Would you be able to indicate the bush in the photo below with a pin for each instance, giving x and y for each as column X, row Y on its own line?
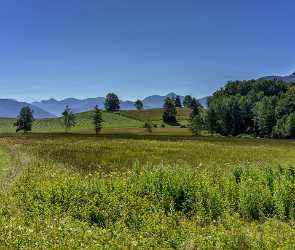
column 149, row 127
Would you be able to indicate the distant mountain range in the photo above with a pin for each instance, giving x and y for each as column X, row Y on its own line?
column 57, row 107
column 53, row 108
column 286, row 79
column 10, row 108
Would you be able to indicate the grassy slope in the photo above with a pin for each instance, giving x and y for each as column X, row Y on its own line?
column 119, row 122
column 84, row 123
column 155, row 114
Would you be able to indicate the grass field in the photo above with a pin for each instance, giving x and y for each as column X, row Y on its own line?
column 132, row 191
column 83, row 123
column 155, row 114
column 122, row 120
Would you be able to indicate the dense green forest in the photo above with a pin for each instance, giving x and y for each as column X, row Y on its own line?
column 257, row 107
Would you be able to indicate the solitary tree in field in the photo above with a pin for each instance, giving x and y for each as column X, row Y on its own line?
column 138, row 104
column 24, row 120
column 69, row 118
column 169, row 115
column 187, row 101
column 97, row 119
column 112, row 102
column 178, row 102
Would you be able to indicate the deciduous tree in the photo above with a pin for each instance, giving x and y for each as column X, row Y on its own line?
column 169, row 115
column 69, row 119
column 112, row 102
column 138, row 104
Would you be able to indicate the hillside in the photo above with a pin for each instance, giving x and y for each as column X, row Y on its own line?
column 122, row 119
column 83, row 123
column 154, row 114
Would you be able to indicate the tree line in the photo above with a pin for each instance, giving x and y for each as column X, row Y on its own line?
column 25, row 118
column 262, row 108
column 112, row 104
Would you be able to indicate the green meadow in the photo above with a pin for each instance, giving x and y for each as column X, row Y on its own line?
column 130, row 189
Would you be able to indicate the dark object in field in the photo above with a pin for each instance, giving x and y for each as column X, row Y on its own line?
column 24, row 120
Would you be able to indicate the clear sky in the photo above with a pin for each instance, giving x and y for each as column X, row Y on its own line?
column 86, row 48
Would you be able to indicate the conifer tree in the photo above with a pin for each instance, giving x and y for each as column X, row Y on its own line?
column 24, row 120
column 97, row 119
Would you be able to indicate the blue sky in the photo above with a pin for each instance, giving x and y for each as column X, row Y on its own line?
column 86, row 48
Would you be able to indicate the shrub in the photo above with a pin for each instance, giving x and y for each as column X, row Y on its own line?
column 148, row 126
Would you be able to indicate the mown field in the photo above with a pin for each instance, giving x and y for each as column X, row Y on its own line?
column 137, row 191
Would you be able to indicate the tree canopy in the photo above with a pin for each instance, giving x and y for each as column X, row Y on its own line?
column 258, row 107
column 138, row 104
column 112, row 102
column 187, row 101
column 69, row 118
column 24, row 120
column 169, row 114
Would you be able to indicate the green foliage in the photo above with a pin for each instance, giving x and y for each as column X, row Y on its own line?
column 264, row 115
column 97, row 119
column 187, row 101
column 196, row 121
column 24, row 120
column 148, row 126
column 69, row 118
column 196, row 124
column 105, row 192
column 178, row 102
column 169, row 114
column 291, row 125
column 250, row 107
column 286, row 103
column 112, row 102
column 138, row 104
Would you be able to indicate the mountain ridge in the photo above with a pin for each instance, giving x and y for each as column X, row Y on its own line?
column 287, row 79
column 81, row 105
column 10, row 108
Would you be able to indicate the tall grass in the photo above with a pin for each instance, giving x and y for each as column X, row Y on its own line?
column 114, row 193
column 150, row 208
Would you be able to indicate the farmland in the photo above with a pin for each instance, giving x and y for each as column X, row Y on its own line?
column 128, row 188
column 146, row 191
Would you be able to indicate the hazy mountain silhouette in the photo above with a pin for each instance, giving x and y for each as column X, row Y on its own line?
column 57, row 107
column 53, row 108
column 286, row 79
column 11, row 108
